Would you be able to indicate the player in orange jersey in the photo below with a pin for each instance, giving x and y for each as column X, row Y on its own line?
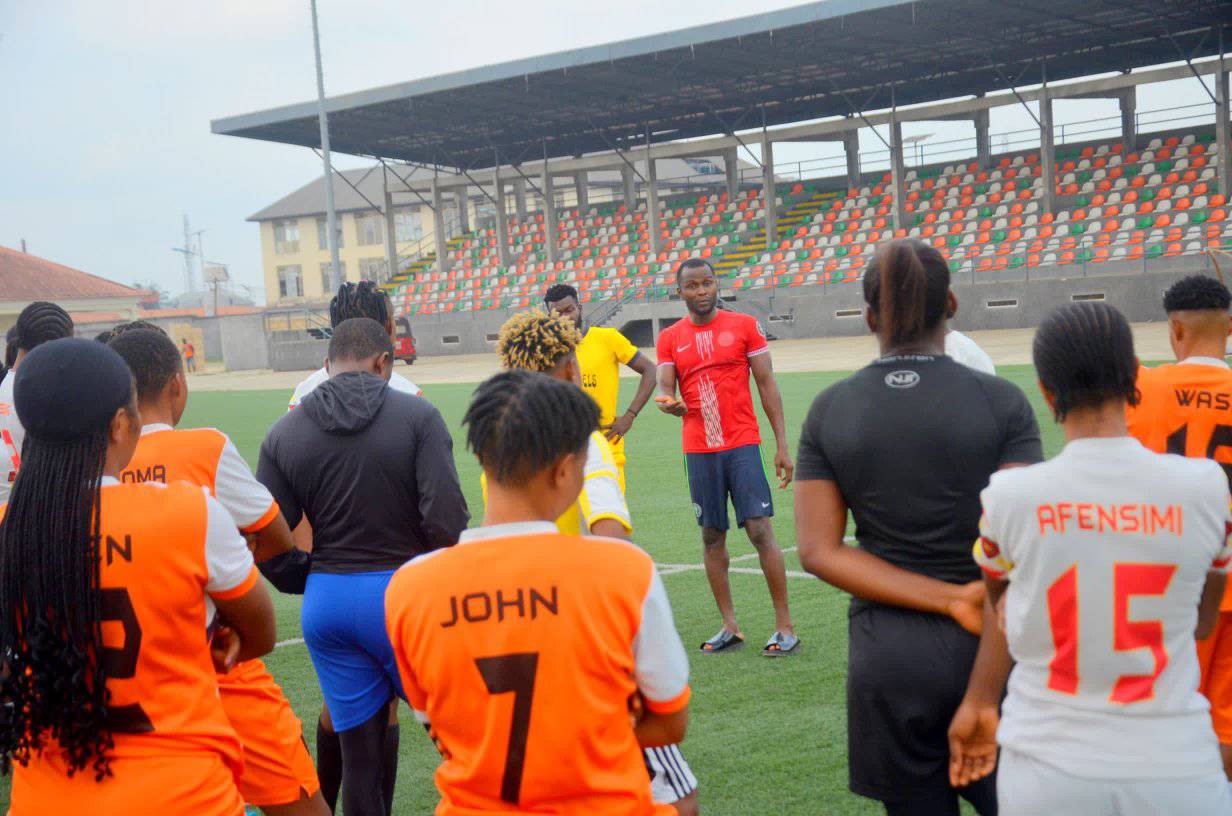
column 107, row 592
column 279, row 775
column 1186, row 408
column 541, row 661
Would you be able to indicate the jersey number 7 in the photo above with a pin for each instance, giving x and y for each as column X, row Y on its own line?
column 513, row 673
column 1127, row 580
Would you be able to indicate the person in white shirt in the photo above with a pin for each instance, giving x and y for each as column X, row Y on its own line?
column 1103, row 563
column 37, row 324
column 963, row 349
column 361, row 299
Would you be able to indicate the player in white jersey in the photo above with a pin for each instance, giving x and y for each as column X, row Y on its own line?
column 361, row 299
column 1103, row 563
column 963, row 349
column 37, row 324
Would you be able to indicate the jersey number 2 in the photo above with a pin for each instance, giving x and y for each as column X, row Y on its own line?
column 502, row 675
column 120, row 663
column 1127, row 580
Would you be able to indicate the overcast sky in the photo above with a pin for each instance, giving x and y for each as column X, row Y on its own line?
column 105, row 140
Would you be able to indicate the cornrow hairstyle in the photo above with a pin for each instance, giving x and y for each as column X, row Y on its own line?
column 1197, row 293
column 151, row 356
column 10, row 347
column 136, row 325
column 1084, row 356
column 41, row 322
column 534, row 341
column 520, row 422
column 51, row 605
column 906, row 284
column 363, row 299
column 558, row 292
column 692, row 263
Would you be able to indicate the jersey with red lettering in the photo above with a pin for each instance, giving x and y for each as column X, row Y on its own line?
column 1106, row 549
column 11, row 436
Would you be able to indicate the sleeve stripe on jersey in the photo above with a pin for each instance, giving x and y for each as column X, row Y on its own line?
column 624, row 520
column 1222, row 563
column 667, row 363
column 241, row 589
column 607, row 472
column 671, row 706
column 996, row 575
column 763, row 350
column 263, row 522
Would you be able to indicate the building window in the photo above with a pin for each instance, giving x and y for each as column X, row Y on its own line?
column 290, row 281
column 368, row 225
column 408, row 226
column 286, row 237
column 322, row 240
column 372, row 269
column 327, row 288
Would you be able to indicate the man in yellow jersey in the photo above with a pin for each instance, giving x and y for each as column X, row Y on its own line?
column 600, row 355
column 533, row 341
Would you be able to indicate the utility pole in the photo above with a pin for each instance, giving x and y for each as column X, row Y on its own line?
column 331, row 216
column 188, row 252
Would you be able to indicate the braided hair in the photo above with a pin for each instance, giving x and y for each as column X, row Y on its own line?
column 534, row 341
column 905, row 285
column 1084, row 356
column 520, row 422
column 361, row 299
column 40, row 322
column 135, row 325
column 55, row 663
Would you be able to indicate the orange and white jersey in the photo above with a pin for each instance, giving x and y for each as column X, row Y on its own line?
column 11, row 436
column 523, row 647
column 205, row 457
column 396, row 381
column 164, row 552
column 1106, row 549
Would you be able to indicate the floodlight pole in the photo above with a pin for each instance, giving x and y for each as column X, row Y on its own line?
column 331, row 215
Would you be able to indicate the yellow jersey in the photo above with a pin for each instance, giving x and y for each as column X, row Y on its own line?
column 600, row 355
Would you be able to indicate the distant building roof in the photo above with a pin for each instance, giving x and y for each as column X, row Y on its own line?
column 25, row 277
column 310, row 199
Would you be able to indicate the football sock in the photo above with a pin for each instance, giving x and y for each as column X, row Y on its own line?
column 329, row 765
column 389, row 772
column 363, row 762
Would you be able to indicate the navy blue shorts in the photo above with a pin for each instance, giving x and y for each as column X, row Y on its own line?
column 737, row 473
column 344, row 627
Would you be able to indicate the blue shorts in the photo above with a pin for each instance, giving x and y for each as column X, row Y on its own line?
column 344, row 626
column 737, row 473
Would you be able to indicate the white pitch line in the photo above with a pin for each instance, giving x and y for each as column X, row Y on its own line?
column 288, row 642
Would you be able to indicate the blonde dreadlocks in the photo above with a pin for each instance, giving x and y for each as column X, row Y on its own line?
column 535, row 341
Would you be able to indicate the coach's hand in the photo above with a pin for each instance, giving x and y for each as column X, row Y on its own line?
column 973, row 743
column 620, row 427
column 967, row 606
column 670, row 405
column 783, row 467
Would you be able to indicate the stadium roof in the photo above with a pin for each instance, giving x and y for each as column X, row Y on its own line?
column 829, row 58
column 25, row 277
column 360, row 189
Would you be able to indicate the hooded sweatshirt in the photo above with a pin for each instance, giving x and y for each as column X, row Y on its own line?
column 372, row 470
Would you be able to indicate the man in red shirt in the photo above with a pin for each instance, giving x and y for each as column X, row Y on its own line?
column 710, row 354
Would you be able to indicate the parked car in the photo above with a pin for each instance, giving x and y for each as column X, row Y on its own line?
column 404, row 341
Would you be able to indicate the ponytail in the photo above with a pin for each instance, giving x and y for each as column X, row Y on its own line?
column 905, row 285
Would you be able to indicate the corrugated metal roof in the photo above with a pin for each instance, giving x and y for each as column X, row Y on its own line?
column 25, row 277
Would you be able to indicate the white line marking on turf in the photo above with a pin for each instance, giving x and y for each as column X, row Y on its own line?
column 288, row 642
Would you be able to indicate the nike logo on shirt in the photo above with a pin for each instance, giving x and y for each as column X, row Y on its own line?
column 685, row 347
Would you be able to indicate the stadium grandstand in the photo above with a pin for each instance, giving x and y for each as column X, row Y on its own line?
column 1147, row 194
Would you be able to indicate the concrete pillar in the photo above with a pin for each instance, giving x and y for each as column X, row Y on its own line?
column 464, row 210
column 519, row 197
column 627, row 182
column 1129, row 119
column 1048, row 152
column 983, row 139
column 767, row 189
column 898, row 173
column 583, row 190
column 652, row 203
column 731, row 163
column 549, row 215
column 502, row 220
column 851, row 146
column 391, row 238
column 438, row 226
column 1222, row 146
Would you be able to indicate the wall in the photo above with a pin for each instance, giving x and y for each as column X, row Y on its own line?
column 295, row 351
column 243, row 341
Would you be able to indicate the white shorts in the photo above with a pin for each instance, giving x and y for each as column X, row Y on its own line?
column 671, row 778
column 1028, row 787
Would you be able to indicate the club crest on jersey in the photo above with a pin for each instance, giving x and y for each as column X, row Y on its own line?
column 991, row 550
column 902, row 379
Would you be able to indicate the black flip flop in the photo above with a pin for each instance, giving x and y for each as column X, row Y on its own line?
column 722, row 642
column 781, row 645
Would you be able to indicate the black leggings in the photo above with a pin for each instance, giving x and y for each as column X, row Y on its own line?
column 363, row 764
column 982, row 795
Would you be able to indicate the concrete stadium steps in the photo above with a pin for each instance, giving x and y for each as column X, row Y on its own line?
column 424, row 263
column 799, row 212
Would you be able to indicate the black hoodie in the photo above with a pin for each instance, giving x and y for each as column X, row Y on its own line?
column 373, row 471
